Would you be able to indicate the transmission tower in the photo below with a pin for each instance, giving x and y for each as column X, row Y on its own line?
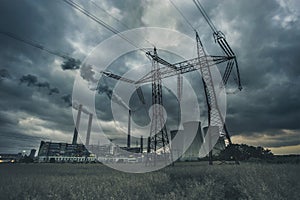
column 158, row 139
column 158, row 142
column 215, row 118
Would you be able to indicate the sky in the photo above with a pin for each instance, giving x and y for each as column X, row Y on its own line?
column 36, row 91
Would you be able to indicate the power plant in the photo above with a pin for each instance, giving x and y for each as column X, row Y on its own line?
column 160, row 141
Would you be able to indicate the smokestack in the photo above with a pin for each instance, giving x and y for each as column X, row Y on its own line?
column 88, row 134
column 141, row 144
column 77, row 125
column 129, row 126
column 148, row 147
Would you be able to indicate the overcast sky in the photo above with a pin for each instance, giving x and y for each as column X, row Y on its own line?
column 35, row 90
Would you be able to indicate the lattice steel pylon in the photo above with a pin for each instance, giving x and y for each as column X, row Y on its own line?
column 158, row 141
column 215, row 117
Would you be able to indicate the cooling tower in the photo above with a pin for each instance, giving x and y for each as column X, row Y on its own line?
column 192, row 152
column 212, row 140
column 177, row 143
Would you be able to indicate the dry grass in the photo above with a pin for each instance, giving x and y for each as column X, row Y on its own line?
column 183, row 181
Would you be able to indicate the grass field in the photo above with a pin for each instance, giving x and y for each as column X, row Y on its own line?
column 183, row 181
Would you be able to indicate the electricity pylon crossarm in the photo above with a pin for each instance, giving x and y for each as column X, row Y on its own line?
column 182, row 67
column 221, row 40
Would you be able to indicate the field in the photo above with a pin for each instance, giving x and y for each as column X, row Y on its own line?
column 183, row 181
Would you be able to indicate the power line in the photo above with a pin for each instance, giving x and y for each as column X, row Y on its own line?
column 99, row 7
column 35, row 44
column 182, row 15
column 102, row 23
column 120, row 22
column 205, row 15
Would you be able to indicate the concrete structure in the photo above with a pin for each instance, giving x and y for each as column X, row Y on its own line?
column 129, row 127
column 141, row 144
column 66, row 159
column 53, row 151
column 214, row 136
column 177, row 143
column 192, row 152
column 88, row 133
column 10, row 158
column 101, row 150
column 199, row 146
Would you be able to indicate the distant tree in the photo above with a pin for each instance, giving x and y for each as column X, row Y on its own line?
column 26, row 159
column 244, row 152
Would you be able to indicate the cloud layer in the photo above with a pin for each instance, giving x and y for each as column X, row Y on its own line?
column 264, row 35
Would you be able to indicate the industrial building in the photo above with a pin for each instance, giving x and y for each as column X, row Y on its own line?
column 63, row 152
column 192, row 150
column 19, row 157
column 10, row 158
column 185, row 148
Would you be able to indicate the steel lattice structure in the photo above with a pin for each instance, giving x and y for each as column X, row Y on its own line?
column 159, row 139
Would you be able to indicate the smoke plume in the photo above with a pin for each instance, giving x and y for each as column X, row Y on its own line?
column 111, row 95
column 71, row 64
column 88, row 74
column 67, row 99
column 4, row 74
column 43, row 85
column 32, row 81
column 53, row 90
column 75, row 105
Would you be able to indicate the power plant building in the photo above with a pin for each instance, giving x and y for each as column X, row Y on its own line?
column 192, row 152
column 62, row 152
column 192, row 149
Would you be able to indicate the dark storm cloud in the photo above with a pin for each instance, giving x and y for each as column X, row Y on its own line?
column 32, row 80
column 4, row 74
column 46, row 23
column 29, row 79
column 43, row 85
column 71, row 64
column 263, row 34
column 268, row 59
column 53, row 91
column 67, row 98
column 269, row 62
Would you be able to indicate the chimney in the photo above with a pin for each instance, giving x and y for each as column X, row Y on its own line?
column 141, row 144
column 88, row 134
column 77, row 125
column 148, row 147
column 129, row 126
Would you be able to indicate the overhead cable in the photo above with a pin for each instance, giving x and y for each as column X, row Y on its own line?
column 182, row 15
column 102, row 23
